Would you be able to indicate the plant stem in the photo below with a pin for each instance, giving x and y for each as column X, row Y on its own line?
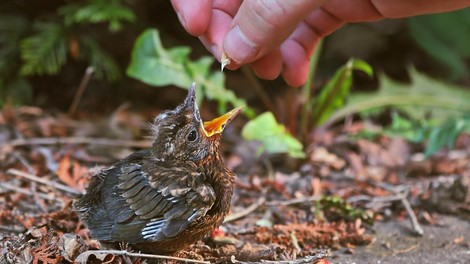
column 259, row 89
column 81, row 89
column 307, row 89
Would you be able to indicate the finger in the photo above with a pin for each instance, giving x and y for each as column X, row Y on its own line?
column 214, row 35
column 299, row 47
column 261, row 25
column 398, row 9
column 296, row 63
column 193, row 15
column 353, row 11
column 222, row 15
column 269, row 66
column 217, row 53
column 320, row 24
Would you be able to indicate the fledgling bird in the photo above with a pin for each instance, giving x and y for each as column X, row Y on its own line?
column 162, row 199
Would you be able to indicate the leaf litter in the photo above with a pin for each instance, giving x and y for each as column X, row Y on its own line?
column 329, row 202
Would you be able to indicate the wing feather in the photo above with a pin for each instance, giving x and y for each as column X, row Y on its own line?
column 159, row 202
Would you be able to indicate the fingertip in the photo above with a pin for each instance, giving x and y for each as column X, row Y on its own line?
column 216, row 51
column 194, row 16
column 268, row 67
column 296, row 64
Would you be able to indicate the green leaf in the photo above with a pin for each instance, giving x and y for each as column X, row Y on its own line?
column 45, row 52
column 407, row 128
column 273, row 136
column 446, row 135
column 446, row 37
column 12, row 29
column 334, row 94
column 18, row 90
column 424, row 96
column 155, row 65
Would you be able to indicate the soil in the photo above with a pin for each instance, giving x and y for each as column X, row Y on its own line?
column 395, row 244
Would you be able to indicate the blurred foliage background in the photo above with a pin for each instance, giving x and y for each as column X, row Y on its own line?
column 420, row 78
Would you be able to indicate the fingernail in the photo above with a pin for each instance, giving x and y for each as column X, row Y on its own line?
column 181, row 19
column 238, row 47
column 215, row 51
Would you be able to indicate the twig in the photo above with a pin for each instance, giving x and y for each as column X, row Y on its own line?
column 23, row 161
column 12, row 229
column 247, row 211
column 81, row 89
column 414, row 220
column 307, row 259
column 401, row 190
column 44, row 181
column 77, row 140
column 294, row 201
column 382, row 200
column 295, row 242
column 406, row 250
column 137, row 255
column 17, row 189
column 33, row 191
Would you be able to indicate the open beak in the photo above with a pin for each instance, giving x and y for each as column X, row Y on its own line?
column 217, row 125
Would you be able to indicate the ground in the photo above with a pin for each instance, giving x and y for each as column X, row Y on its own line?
column 350, row 201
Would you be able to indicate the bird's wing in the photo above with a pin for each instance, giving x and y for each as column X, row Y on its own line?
column 158, row 202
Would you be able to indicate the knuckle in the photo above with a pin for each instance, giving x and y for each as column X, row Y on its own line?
column 268, row 12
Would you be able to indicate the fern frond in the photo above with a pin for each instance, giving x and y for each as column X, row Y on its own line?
column 98, row 11
column 46, row 51
column 12, row 28
column 105, row 66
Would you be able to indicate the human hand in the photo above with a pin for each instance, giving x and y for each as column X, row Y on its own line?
column 279, row 37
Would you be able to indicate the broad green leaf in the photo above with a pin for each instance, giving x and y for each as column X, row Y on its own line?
column 155, row 65
column 421, row 97
column 273, row 136
column 152, row 64
column 446, row 37
column 334, row 94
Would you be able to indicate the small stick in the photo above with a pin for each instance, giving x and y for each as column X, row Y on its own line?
column 79, row 140
column 406, row 250
column 306, row 259
column 414, row 220
column 44, row 181
column 81, row 89
column 247, row 211
column 12, row 229
column 294, row 201
column 397, row 190
column 137, row 255
column 17, row 189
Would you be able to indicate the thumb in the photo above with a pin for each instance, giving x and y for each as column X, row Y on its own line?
column 261, row 25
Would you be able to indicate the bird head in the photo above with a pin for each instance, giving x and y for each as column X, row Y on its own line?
column 182, row 135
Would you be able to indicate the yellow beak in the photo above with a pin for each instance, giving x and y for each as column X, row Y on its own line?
column 217, row 125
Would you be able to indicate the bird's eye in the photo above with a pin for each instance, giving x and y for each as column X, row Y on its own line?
column 192, row 136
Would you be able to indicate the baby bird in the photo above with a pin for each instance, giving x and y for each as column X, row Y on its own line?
column 162, row 199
